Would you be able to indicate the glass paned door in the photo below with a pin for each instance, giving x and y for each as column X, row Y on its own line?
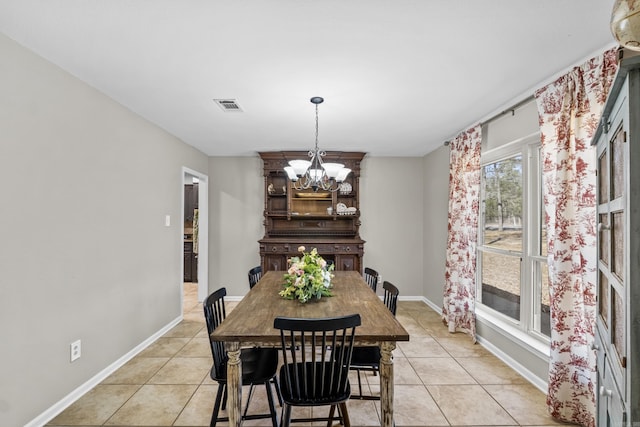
column 612, row 261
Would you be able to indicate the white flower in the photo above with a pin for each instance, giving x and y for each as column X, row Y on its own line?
column 326, row 276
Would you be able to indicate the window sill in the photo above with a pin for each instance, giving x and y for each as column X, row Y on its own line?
column 532, row 344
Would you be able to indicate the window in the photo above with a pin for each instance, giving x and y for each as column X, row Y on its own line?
column 512, row 267
column 502, row 235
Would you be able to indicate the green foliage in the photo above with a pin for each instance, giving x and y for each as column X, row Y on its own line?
column 308, row 277
column 503, row 190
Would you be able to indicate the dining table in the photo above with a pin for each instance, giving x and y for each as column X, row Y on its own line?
column 250, row 323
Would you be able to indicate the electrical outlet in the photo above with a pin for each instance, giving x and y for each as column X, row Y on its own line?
column 76, row 350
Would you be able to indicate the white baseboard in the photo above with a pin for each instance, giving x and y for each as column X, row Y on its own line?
column 434, row 307
column 515, row 365
column 76, row 394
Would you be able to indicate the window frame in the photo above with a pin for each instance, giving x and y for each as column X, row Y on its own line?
column 531, row 258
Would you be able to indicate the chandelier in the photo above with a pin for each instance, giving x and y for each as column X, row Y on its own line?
column 314, row 173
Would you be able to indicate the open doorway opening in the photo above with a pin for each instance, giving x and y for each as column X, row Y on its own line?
column 195, row 234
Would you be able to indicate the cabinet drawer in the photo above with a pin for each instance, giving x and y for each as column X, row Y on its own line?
column 313, row 226
column 333, row 248
column 347, row 249
column 275, row 248
column 610, row 397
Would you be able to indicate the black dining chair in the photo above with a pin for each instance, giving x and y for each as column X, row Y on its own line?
column 372, row 277
column 259, row 365
column 390, row 297
column 254, row 275
column 367, row 358
column 315, row 371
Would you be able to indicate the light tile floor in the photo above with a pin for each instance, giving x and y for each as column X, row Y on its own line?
column 441, row 379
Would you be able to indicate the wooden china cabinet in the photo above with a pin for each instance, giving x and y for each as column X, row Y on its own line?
column 328, row 221
column 617, row 342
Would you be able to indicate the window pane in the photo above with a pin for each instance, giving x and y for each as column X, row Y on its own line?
column 603, row 175
column 502, row 184
column 603, row 298
column 542, row 222
column 617, row 164
column 501, row 283
column 604, row 239
column 617, row 245
column 544, row 326
column 617, row 324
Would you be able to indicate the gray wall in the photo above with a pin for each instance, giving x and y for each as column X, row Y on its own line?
column 391, row 220
column 84, row 253
column 436, row 207
column 235, row 221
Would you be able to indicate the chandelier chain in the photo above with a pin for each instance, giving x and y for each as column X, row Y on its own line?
column 317, row 151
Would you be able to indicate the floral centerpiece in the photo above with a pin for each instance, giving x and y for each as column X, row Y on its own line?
column 308, row 276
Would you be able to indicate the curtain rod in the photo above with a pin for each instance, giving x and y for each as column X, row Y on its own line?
column 511, row 110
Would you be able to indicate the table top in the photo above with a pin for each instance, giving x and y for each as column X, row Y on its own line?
column 251, row 321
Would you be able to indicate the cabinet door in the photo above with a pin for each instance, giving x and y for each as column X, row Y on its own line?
column 619, row 250
column 612, row 171
column 601, row 403
column 611, row 410
column 347, row 262
column 190, row 201
column 274, row 262
column 194, row 267
column 187, row 266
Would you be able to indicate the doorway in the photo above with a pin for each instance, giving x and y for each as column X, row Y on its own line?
column 195, row 232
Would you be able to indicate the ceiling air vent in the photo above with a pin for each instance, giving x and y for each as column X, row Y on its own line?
column 228, row 105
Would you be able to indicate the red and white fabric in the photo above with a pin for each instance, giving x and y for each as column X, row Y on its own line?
column 458, row 310
column 569, row 110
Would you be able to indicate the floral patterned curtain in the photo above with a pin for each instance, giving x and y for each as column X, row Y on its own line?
column 458, row 310
column 569, row 110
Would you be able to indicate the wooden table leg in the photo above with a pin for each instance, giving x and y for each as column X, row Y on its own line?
column 234, row 384
column 386, row 383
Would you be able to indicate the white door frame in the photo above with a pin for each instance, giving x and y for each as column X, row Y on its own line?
column 203, row 232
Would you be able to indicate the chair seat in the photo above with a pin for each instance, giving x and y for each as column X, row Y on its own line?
column 365, row 356
column 322, row 386
column 258, row 366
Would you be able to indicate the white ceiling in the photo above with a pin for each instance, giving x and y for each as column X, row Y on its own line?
column 399, row 77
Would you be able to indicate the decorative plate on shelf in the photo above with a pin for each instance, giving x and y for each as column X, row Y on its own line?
column 349, row 211
column 345, row 188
